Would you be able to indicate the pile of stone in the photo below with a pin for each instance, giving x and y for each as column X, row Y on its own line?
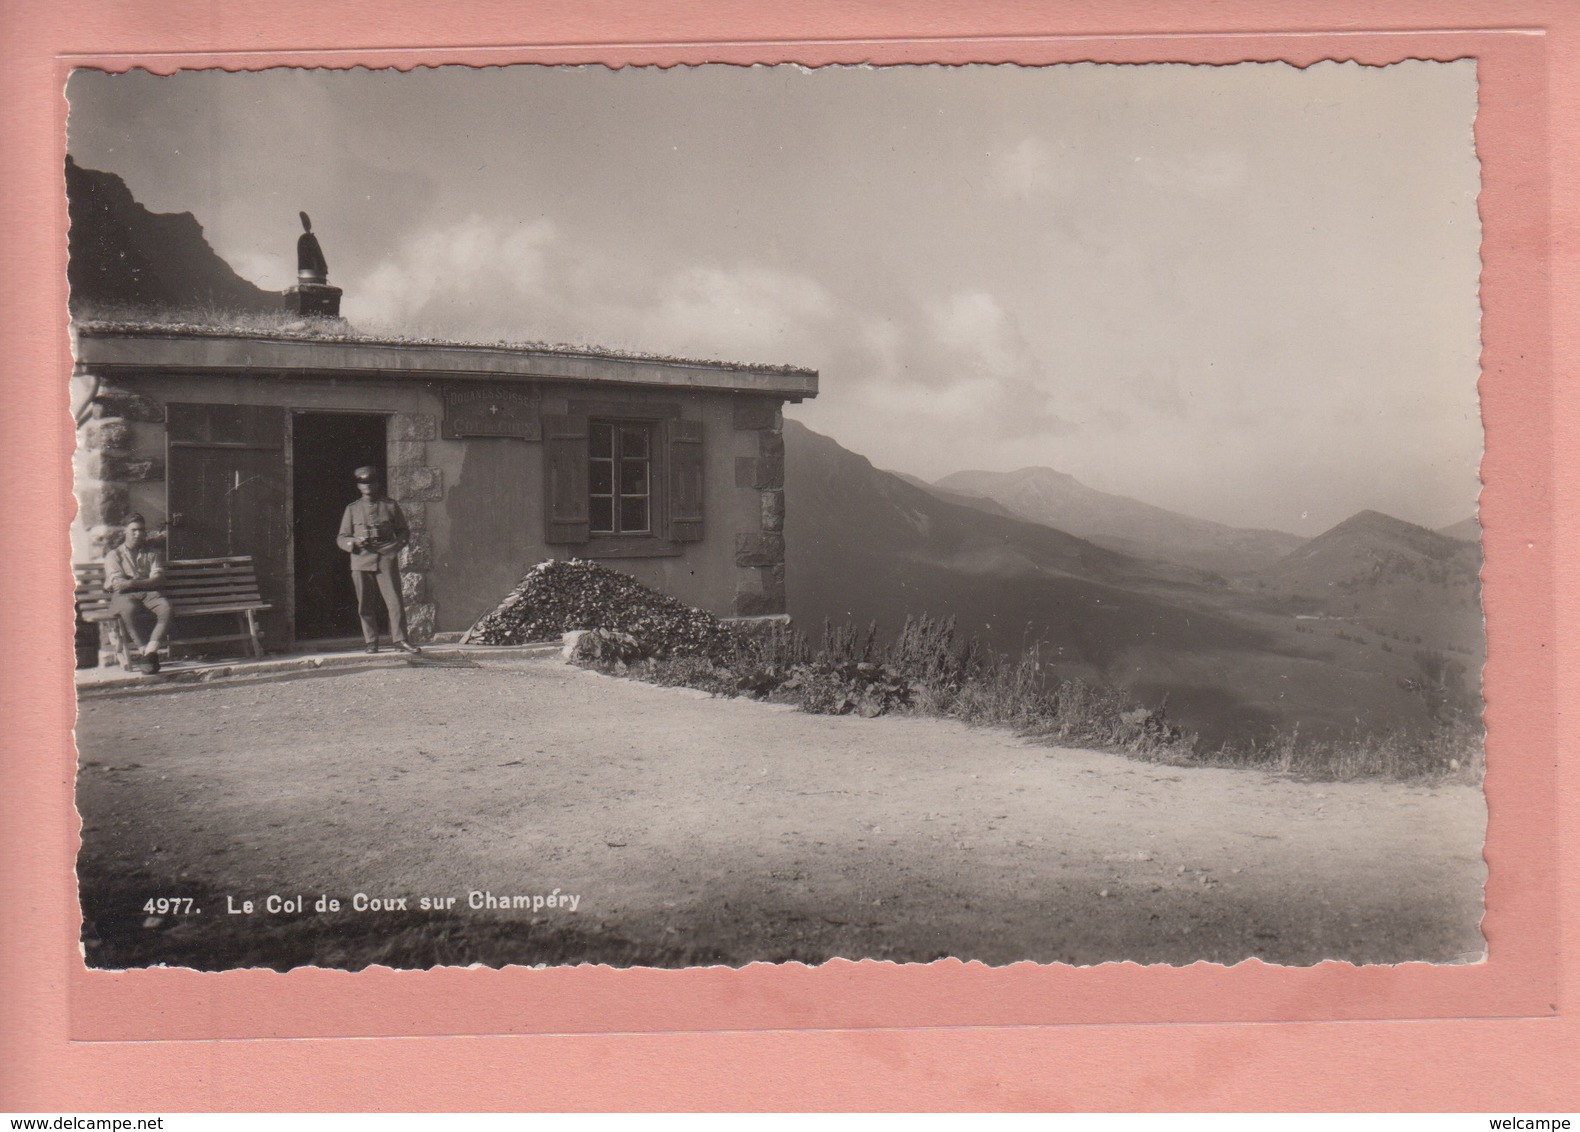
column 558, row 597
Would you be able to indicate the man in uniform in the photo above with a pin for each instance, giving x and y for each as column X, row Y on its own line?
column 133, row 573
column 373, row 531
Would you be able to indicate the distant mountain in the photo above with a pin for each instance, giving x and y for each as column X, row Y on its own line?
column 864, row 545
column 1126, row 525
column 1466, row 530
column 980, row 503
column 122, row 255
column 1371, row 549
column 849, row 507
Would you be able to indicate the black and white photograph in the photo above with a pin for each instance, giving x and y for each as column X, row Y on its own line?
column 673, row 517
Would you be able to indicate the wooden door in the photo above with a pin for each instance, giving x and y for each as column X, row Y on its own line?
column 227, row 494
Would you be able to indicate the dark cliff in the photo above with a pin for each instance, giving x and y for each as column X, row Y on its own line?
column 122, row 255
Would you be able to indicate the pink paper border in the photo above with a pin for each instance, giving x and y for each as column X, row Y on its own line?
column 956, row 1035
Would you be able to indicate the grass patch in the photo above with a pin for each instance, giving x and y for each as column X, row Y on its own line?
column 1452, row 751
column 216, row 321
column 927, row 671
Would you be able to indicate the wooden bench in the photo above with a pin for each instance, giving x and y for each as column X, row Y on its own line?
column 195, row 587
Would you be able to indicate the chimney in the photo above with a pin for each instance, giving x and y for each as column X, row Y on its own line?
column 312, row 294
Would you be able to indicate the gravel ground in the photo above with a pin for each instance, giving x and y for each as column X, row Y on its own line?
column 695, row 830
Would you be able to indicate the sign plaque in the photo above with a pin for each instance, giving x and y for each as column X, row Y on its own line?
column 492, row 411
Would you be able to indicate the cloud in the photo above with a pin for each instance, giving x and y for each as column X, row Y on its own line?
column 941, row 368
column 932, row 368
column 882, row 344
column 463, row 270
column 495, row 278
column 752, row 310
column 1028, row 169
column 974, row 326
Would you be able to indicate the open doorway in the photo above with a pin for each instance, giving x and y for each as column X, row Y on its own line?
column 325, row 449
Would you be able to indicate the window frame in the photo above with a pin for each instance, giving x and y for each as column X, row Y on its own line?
column 675, row 445
column 618, row 428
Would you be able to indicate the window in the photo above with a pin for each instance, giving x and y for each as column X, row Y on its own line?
column 620, row 478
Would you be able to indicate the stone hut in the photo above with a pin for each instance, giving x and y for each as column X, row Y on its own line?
column 236, row 441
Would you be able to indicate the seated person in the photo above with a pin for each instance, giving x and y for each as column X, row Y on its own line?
column 133, row 574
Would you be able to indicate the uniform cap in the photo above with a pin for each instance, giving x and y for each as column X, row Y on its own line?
column 366, row 474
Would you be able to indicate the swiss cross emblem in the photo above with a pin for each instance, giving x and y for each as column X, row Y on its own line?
column 492, row 412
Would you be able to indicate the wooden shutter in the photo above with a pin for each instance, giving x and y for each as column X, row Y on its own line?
column 565, row 479
column 685, row 481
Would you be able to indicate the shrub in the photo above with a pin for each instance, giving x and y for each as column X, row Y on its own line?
column 691, row 672
column 868, row 689
column 1451, row 752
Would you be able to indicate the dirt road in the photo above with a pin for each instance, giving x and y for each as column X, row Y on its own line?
column 690, row 829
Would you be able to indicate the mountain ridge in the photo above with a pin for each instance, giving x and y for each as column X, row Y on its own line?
column 1375, row 549
column 1058, row 499
column 917, row 522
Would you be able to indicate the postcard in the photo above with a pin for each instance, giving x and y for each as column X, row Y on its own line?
column 892, row 539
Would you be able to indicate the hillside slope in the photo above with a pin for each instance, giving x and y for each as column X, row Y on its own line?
column 1123, row 524
column 863, row 545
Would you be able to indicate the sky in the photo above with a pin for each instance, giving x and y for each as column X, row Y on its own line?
column 1245, row 293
